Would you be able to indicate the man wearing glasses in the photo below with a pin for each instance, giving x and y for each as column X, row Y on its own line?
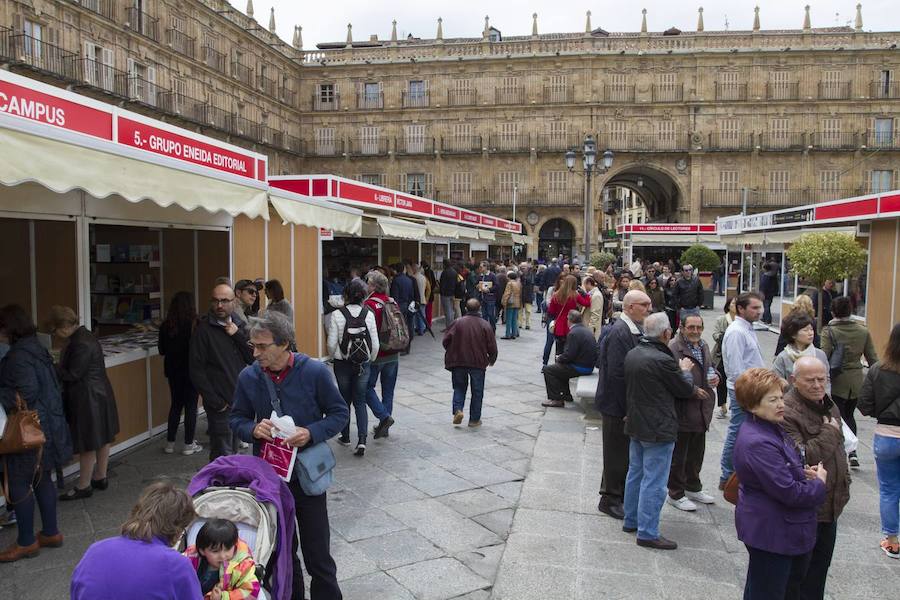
column 245, row 297
column 220, row 349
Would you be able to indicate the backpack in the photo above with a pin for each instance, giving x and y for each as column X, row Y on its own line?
column 356, row 343
column 393, row 334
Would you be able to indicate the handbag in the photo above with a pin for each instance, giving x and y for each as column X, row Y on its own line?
column 731, row 489
column 851, row 442
column 836, row 360
column 22, row 432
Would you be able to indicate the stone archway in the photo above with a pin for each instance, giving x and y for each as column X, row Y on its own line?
column 556, row 236
column 659, row 188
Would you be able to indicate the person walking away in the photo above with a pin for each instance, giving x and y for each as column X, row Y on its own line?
column 597, row 310
column 512, row 302
column 719, row 329
column 568, row 297
column 827, row 294
column 615, row 342
column 856, row 341
column 403, row 291
column 798, row 329
column 386, row 366
column 694, row 416
column 470, row 348
column 219, row 351
column 89, row 400
column 653, row 381
column 415, row 271
column 304, row 390
column 26, row 373
column 718, row 276
column 768, row 287
column 276, row 299
column 813, row 420
column 775, row 515
column 880, row 398
column 502, row 280
column 353, row 345
column 688, row 293
column 526, row 279
column 174, row 346
column 541, row 285
column 448, row 283
column 740, row 352
column 578, row 358
column 486, row 287
column 431, row 287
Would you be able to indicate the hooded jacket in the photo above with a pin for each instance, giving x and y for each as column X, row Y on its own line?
column 237, row 577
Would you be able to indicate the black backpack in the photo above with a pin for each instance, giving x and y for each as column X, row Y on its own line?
column 356, row 343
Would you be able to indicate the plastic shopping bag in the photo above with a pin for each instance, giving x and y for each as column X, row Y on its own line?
column 851, row 442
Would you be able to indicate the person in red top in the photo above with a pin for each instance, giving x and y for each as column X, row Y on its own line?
column 568, row 297
column 388, row 362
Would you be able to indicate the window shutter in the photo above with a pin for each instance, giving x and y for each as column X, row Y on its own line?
column 108, row 58
column 429, row 185
column 402, row 185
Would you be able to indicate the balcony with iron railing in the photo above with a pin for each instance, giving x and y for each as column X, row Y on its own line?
column 414, row 99
column 422, row 190
column 767, row 199
column 462, row 97
column 368, row 147
column 326, row 103
column 730, row 142
column 141, row 22
column 247, row 128
column 461, row 144
column 214, row 116
column 828, row 140
column 286, row 141
column 103, row 77
column 781, row 141
column 884, row 140
column 180, row 42
column 39, row 55
column 327, row 147
column 783, row 91
column 104, row 8
column 214, row 59
column 736, row 92
column 645, row 142
column 519, row 142
column 143, row 91
column 242, row 72
column 370, row 100
column 267, row 86
column 834, row 90
column 668, row 93
column 618, row 93
column 509, row 95
column 287, row 96
column 182, row 105
column 559, row 94
column 555, row 142
column 414, row 145
column 524, row 196
column 884, row 89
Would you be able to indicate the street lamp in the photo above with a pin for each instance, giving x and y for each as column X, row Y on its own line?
column 591, row 168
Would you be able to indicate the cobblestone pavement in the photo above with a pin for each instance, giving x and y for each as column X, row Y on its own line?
column 506, row 511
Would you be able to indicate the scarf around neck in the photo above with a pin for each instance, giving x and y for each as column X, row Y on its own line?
column 794, row 354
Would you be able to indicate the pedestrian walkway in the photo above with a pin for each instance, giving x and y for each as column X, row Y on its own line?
column 506, row 511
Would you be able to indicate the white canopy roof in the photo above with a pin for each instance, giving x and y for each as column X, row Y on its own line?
column 399, row 228
column 442, row 230
column 312, row 212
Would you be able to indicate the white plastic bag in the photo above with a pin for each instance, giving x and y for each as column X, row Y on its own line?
column 851, row 442
column 2, row 420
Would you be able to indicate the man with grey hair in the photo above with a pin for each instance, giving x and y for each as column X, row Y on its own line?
column 218, row 353
column 653, row 381
column 578, row 358
column 295, row 385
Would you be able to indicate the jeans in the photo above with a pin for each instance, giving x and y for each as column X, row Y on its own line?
column 420, row 320
column 645, row 486
column 388, row 370
column 813, row 587
column 539, row 301
column 315, row 546
column 222, row 440
column 26, row 494
column 887, row 464
column 737, row 417
column 773, row 576
column 512, row 322
column 489, row 313
column 184, row 399
column 767, row 311
column 447, row 303
column 461, row 377
column 353, row 383
column 548, row 345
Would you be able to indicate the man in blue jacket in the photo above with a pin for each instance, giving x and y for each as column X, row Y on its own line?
column 404, row 292
column 305, row 390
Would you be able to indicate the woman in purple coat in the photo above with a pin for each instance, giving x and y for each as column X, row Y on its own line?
column 778, row 494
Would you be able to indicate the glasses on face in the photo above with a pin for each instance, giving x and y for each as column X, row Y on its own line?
column 251, row 291
column 221, row 301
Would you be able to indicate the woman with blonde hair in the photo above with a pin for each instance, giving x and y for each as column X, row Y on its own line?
column 637, row 285
column 802, row 305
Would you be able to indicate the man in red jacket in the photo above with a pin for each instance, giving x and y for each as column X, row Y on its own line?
column 471, row 347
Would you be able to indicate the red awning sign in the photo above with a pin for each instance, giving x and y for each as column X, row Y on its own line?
column 411, row 203
column 51, row 110
column 366, row 194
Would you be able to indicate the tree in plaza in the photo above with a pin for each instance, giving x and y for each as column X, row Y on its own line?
column 700, row 257
column 819, row 257
column 603, row 259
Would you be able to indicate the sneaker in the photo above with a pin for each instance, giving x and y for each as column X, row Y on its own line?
column 360, row 449
column 892, row 550
column 701, row 497
column 722, row 413
column 8, row 519
column 192, row 448
column 474, row 423
column 854, row 461
column 170, row 448
column 682, row 503
column 344, row 440
column 244, row 445
column 458, row 417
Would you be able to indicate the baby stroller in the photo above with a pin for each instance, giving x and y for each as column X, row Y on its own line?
column 246, row 491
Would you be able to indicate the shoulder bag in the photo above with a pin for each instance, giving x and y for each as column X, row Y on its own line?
column 836, row 360
column 21, row 433
column 731, row 489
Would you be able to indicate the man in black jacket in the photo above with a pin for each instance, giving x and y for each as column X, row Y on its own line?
column 220, row 349
column 577, row 359
column 447, row 285
column 526, row 278
column 615, row 342
column 688, row 293
column 653, row 380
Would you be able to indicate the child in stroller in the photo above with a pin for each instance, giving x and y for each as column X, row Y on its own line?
column 223, row 563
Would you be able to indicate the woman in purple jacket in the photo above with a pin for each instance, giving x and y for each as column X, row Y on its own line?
column 778, row 494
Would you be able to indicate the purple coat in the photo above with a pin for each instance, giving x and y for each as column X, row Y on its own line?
column 267, row 486
column 776, row 509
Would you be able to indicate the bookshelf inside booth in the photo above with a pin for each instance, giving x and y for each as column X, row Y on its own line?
column 343, row 255
column 125, row 277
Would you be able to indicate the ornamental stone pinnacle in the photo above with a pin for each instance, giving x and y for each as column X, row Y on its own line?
column 858, row 25
column 440, row 29
column 250, row 8
column 272, row 20
column 394, row 30
column 756, row 19
column 700, row 19
column 644, row 21
column 807, row 25
column 587, row 22
column 534, row 27
column 349, row 35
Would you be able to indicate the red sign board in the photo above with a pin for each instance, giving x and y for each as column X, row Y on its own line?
column 417, row 205
column 44, row 108
column 362, row 193
column 167, row 143
column 856, row 208
column 890, row 204
column 470, row 217
column 448, row 212
column 488, row 221
column 508, row 225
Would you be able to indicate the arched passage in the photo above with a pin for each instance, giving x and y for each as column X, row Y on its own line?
column 556, row 237
column 658, row 189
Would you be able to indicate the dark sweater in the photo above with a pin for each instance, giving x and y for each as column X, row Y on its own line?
column 216, row 360
column 580, row 350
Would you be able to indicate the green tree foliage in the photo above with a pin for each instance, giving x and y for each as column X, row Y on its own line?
column 700, row 257
column 601, row 260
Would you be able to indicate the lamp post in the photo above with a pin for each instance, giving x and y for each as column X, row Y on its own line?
column 591, row 168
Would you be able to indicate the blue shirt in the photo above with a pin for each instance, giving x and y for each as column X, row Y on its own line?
column 740, row 350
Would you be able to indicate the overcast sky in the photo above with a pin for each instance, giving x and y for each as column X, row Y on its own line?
column 327, row 21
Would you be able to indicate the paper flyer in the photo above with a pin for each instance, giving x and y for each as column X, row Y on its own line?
column 278, row 453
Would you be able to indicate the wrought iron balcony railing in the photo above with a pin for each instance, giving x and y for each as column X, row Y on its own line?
column 180, row 42
column 736, row 92
column 214, row 59
column 520, row 142
column 462, row 97
column 556, row 94
column 39, row 55
column 414, row 99
column 618, row 93
column 414, row 145
column 141, row 22
column 461, row 144
column 668, row 93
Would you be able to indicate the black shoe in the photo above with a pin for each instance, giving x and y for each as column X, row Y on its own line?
column 629, row 529
column 383, row 427
column 659, row 543
column 344, row 440
column 613, row 510
column 76, row 494
column 360, row 448
column 100, row 484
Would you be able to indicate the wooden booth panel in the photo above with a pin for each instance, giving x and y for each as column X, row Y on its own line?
column 212, row 260
column 249, row 259
column 55, row 258
column 15, row 266
column 280, row 257
column 308, row 298
column 159, row 392
column 880, row 310
column 178, row 265
column 129, row 382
